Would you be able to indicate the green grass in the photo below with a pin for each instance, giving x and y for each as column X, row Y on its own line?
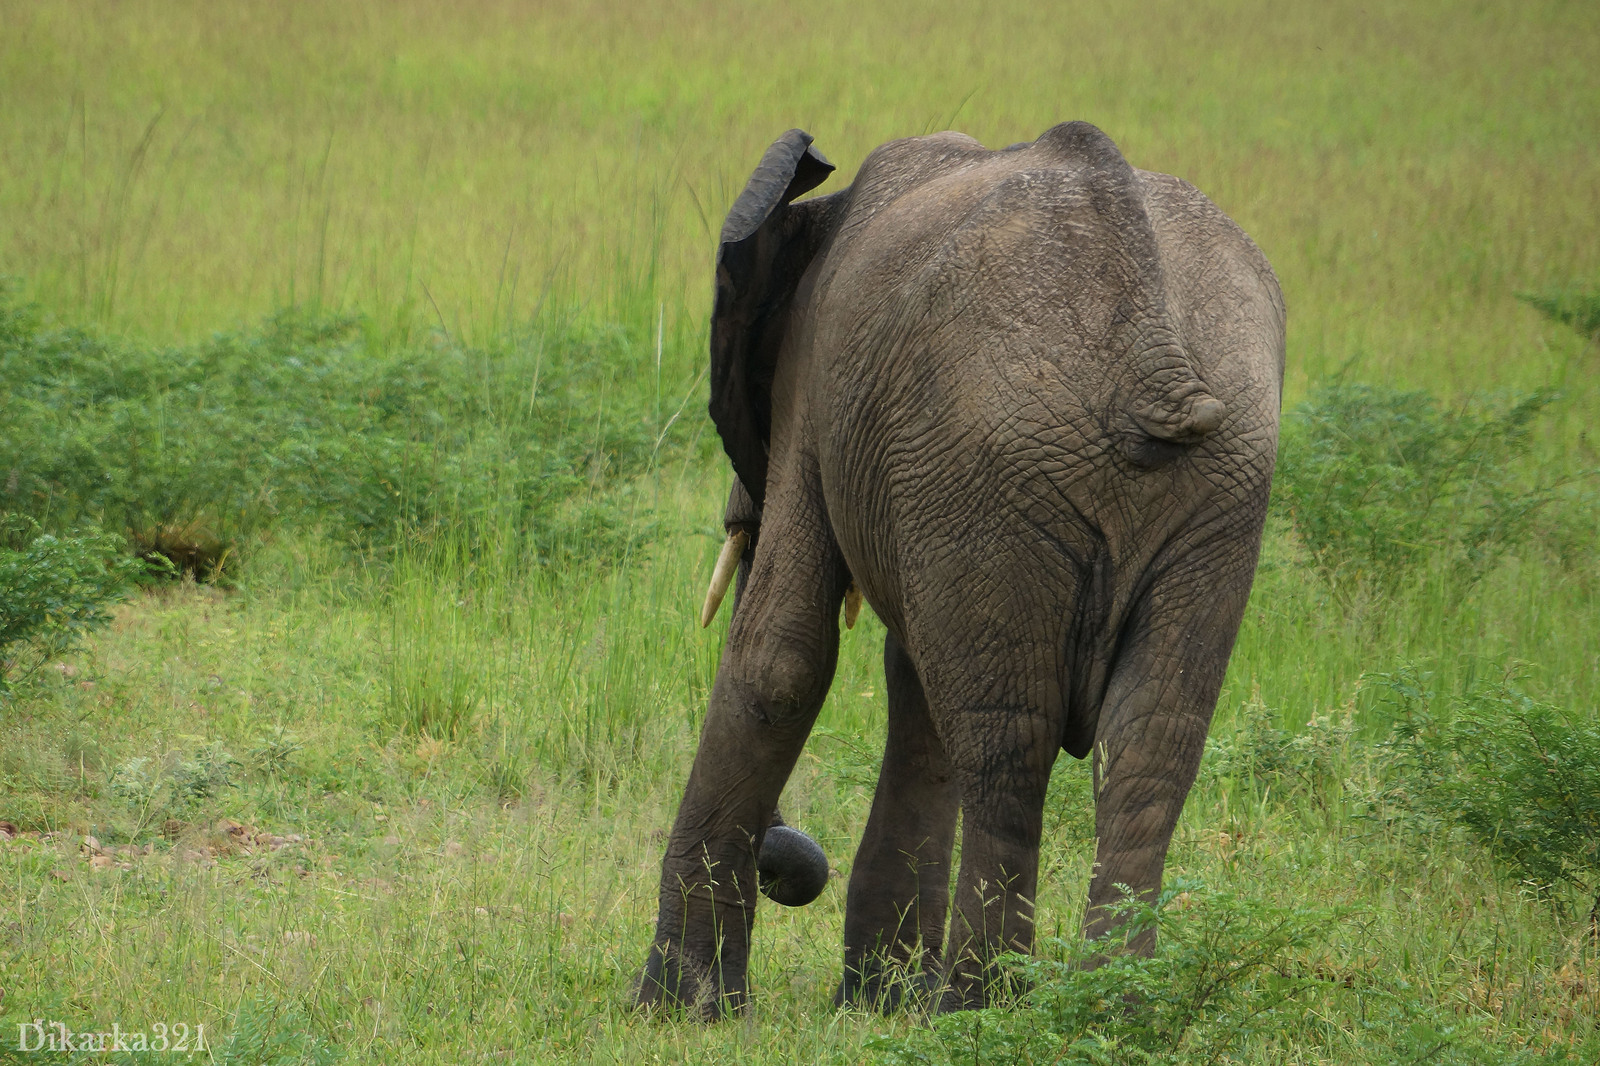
column 480, row 751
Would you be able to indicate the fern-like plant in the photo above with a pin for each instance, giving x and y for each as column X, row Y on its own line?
column 1519, row 775
column 54, row 591
column 1379, row 482
column 1571, row 307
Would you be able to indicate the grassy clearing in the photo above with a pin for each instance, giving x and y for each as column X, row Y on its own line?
column 455, row 896
column 445, row 764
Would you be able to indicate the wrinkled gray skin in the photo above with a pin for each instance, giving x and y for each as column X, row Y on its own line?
column 1028, row 400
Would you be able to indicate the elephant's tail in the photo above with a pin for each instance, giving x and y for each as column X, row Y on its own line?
column 1167, row 398
column 1172, row 403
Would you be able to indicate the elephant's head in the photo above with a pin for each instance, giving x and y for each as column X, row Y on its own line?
column 767, row 243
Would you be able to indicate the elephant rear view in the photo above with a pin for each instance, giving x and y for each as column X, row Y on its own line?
column 1026, row 403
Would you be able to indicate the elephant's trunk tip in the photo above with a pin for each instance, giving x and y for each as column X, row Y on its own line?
column 792, row 868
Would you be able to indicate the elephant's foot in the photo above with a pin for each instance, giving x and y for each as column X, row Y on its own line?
column 976, row 985
column 962, row 995
column 674, row 981
column 886, row 985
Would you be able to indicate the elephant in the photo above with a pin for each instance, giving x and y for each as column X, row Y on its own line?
column 1025, row 403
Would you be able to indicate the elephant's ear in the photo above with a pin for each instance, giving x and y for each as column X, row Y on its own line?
column 767, row 243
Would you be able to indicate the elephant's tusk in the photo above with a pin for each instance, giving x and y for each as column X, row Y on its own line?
column 722, row 576
column 852, row 605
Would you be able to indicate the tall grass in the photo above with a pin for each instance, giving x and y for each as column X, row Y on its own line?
column 1406, row 169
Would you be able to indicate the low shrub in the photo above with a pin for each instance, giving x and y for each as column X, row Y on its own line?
column 270, row 1032
column 173, row 787
column 1261, row 751
column 1231, row 976
column 1379, row 482
column 191, row 451
column 54, row 591
column 1519, row 776
column 1212, row 983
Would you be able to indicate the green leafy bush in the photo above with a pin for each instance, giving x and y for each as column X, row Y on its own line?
column 1378, row 482
column 274, row 1033
column 1518, row 775
column 191, row 451
column 174, row 786
column 1260, row 750
column 1230, row 976
column 1214, row 981
column 53, row 591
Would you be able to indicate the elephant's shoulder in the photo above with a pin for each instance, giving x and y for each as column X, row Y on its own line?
column 897, row 167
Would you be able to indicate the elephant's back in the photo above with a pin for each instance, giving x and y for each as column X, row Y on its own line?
column 969, row 406
column 999, row 297
column 1221, row 288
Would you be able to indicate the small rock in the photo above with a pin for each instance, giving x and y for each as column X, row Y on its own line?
column 101, row 862
column 92, row 843
column 9, row 831
column 454, row 850
column 392, row 841
column 300, row 937
column 60, row 874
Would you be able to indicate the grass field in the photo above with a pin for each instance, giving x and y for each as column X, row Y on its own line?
column 403, row 798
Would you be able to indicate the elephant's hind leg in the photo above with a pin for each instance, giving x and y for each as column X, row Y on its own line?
column 1153, row 723
column 1002, row 753
column 900, row 884
column 775, row 670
